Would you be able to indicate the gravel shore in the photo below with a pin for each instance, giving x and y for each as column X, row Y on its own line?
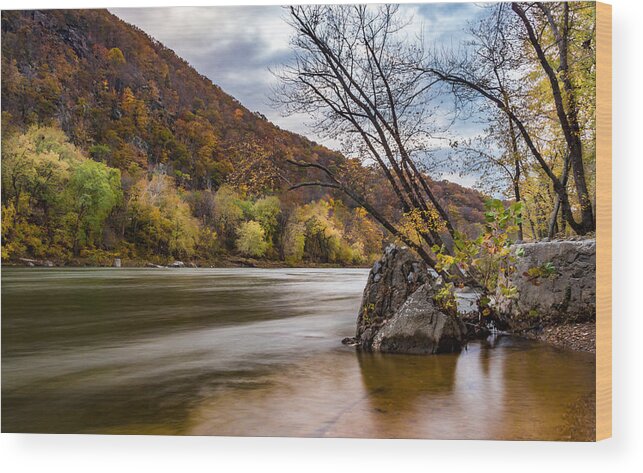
column 578, row 337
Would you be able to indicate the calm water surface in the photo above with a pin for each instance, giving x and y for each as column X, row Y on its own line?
column 257, row 352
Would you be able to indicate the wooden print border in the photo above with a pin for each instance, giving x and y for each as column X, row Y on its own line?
column 603, row 221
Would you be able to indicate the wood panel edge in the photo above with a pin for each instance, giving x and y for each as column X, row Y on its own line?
column 603, row 221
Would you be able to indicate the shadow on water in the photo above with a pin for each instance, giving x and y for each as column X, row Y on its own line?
column 91, row 404
column 256, row 352
column 405, row 378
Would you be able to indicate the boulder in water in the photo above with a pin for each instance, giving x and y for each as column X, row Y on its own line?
column 419, row 327
column 397, row 275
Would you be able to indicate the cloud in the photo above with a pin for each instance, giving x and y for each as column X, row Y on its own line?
column 233, row 46
column 444, row 21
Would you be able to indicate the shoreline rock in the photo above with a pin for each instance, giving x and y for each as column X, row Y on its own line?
column 224, row 261
column 556, row 306
column 556, row 282
column 397, row 313
column 392, row 279
column 420, row 328
column 29, row 262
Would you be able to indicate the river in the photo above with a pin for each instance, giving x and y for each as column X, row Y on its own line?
column 257, row 352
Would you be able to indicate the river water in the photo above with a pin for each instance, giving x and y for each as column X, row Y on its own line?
column 257, row 352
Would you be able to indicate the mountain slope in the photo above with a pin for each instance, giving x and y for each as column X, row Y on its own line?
column 112, row 87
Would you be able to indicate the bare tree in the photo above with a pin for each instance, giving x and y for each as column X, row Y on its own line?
column 357, row 76
column 495, row 167
column 496, row 72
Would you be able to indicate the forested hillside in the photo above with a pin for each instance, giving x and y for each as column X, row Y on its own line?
column 112, row 145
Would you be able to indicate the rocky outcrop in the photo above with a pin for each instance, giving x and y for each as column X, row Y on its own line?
column 556, row 283
column 397, row 275
column 398, row 315
column 36, row 262
column 419, row 328
column 566, row 292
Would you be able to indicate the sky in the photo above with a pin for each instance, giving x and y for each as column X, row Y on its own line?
column 236, row 47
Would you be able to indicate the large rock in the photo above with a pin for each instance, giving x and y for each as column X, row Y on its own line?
column 391, row 281
column 419, row 327
column 568, row 294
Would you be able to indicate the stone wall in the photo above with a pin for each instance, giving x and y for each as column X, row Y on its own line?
column 568, row 294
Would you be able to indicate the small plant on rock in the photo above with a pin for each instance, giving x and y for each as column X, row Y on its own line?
column 488, row 259
column 536, row 274
column 444, row 298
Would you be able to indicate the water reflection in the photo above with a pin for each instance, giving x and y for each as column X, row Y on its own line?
column 256, row 352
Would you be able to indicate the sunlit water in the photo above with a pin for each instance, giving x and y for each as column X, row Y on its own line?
column 258, row 352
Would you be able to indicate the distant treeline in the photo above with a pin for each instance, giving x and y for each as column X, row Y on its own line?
column 60, row 204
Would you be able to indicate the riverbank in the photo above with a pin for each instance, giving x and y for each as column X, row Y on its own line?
column 227, row 261
column 577, row 337
column 557, row 306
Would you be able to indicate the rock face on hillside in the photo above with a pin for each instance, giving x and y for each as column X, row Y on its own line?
column 420, row 328
column 568, row 294
column 397, row 314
